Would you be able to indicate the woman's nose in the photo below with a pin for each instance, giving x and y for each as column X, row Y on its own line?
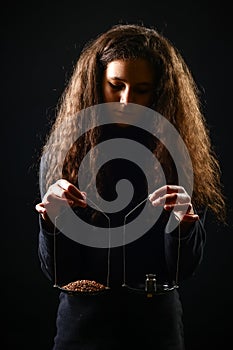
column 126, row 96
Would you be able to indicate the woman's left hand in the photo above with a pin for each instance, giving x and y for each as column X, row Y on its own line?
column 175, row 198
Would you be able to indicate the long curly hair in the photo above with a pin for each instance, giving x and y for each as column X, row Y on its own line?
column 176, row 97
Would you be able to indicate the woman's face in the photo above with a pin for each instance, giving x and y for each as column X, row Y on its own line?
column 129, row 81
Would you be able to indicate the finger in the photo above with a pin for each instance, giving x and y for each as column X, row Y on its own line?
column 63, row 184
column 53, row 198
column 177, row 198
column 171, row 199
column 84, row 194
column 74, row 200
column 70, row 190
column 167, row 189
column 40, row 208
column 160, row 201
column 157, row 193
column 185, row 207
column 190, row 217
column 56, row 192
column 186, row 217
column 167, row 199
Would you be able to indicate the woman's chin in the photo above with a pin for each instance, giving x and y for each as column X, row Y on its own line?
column 122, row 125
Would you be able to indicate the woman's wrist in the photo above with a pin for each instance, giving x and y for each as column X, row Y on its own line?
column 46, row 222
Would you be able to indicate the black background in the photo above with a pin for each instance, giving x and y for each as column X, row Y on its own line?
column 40, row 43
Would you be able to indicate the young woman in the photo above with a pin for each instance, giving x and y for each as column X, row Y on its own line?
column 136, row 68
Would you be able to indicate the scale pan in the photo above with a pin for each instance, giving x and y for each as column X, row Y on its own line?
column 83, row 287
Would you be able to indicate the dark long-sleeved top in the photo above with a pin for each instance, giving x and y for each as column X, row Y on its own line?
column 172, row 255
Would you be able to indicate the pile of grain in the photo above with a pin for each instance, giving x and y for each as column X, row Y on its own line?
column 86, row 286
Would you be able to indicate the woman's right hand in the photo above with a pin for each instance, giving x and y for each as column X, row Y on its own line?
column 61, row 193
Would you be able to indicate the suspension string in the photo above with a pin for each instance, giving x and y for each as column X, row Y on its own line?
column 55, row 247
column 109, row 246
column 109, row 241
column 124, row 231
column 178, row 252
column 54, row 252
column 124, row 249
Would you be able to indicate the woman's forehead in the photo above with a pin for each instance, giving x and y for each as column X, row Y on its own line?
column 137, row 70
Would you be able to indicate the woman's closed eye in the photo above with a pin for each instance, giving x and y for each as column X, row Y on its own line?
column 116, row 86
column 138, row 90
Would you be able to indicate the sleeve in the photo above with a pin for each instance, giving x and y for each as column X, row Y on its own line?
column 46, row 250
column 184, row 251
column 59, row 256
